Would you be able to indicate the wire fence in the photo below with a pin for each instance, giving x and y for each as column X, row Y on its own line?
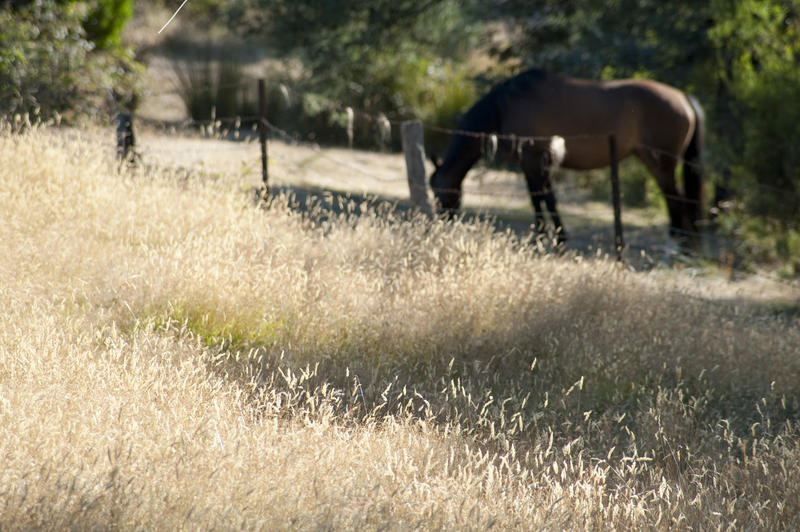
column 727, row 250
column 487, row 138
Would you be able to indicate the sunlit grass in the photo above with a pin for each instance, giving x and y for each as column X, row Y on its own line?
column 173, row 356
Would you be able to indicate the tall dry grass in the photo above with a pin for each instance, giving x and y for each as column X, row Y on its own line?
column 172, row 356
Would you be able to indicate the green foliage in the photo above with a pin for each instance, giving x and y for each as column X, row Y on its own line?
column 206, row 11
column 375, row 56
column 422, row 85
column 770, row 168
column 637, row 186
column 106, row 20
column 402, row 59
column 102, row 20
column 757, row 240
column 49, row 66
column 759, row 44
column 623, row 37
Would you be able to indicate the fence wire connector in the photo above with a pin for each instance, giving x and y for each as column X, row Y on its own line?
column 384, row 131
column 287, row 100
column 513, row 144
column 491, row 147
column 521, row 144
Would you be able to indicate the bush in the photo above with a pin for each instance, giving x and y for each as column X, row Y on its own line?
column 431, row 89
column 638, row 188
column 105, row 22
column 214, row 81
column 404, row 84
column 759, row 44
column 102, row 20
column 48, row 66
column 770, row 167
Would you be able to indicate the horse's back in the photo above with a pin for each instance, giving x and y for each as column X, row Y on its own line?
column 659, row 106
column 586, row 112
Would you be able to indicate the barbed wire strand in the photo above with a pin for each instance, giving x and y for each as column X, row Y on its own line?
column 322, row 153
column 475, row 134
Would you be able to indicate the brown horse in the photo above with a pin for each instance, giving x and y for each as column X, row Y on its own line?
column 655, row 122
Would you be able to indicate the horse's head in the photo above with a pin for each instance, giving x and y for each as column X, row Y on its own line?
column 446, row 187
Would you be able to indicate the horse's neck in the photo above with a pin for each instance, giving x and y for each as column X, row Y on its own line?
column 462, row 155
column 458, row 163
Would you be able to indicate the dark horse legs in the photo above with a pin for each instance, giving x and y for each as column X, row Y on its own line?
column 536, row 168
column 662, row 166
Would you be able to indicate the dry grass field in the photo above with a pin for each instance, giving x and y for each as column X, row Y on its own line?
column 174, row 357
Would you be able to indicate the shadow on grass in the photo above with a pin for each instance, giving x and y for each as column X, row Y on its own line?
column 591, row 237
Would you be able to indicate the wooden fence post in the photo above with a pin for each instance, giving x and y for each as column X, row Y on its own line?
column 262, row 134
column 414, row 149
column 351, row 116
column 126, row 141
column 615, row 196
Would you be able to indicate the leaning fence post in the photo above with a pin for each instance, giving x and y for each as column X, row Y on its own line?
column 615, row 196
column 262, row 134
column 125, row 138
column 414, row 150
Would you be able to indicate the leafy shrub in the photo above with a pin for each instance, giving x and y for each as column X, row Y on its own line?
column 49, row 66
column 753, row 240
column 106, row 20
column 216, row 82
column 759, row 43
column 637, row 187
column 431, row 89
column 771, row 160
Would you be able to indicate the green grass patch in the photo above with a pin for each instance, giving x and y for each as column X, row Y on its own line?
column 217, row 329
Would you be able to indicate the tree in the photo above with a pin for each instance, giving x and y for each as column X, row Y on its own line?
column 49, row 66
column 758, row 50
column 103, row 20
column 374, row 54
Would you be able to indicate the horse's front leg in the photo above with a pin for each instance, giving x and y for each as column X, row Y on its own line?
column 537, row 199
column 550, row 201
column 541, row 191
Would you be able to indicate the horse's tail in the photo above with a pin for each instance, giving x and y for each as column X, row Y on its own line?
column 693, row 168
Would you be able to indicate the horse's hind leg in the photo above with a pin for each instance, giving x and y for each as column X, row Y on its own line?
column 662, row 166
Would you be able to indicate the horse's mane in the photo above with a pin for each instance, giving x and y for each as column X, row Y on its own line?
column 485, row 115
column 524, row 81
